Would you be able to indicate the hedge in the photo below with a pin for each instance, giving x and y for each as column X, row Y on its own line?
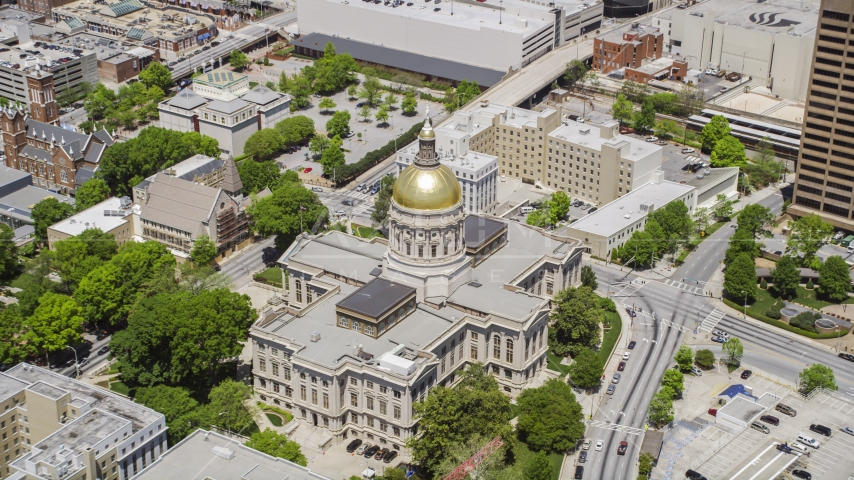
column 779, row 324
column 243, row 157
column 372, row 158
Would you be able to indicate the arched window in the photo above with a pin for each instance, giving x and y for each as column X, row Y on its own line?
column 357, row 326
column 399, row 314
column 382, row 327
column 508, row 354
column 496, row 346
column 342, row 320
column 369, row 329
column 411, row 306
column 298, row 284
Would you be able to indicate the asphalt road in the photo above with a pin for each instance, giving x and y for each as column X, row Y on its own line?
column 95, row 360
column 250, row 260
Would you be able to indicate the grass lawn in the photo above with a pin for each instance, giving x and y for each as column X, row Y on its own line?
column 763, row 302
column 808, row 298
column 273, row 275
column 553, row 363
column 610, row 339
column 275, row 419
column 120, row 387
column 253, row 428
column 516, row 409
column 366, row 232
column 804, row 297
column 285, row 51
column 523, row 455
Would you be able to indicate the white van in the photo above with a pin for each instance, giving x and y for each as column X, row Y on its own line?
column 808, row 441
column 527, row 210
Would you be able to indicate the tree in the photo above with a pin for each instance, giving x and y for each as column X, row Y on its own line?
column 326, row 104
column 764, row 151
column 277, row 445
column 12, row 348
column 257, row 176
column 634, row 92
column 229, row 398
column 577, row 321
column 705, row 358
column 550, row 418
column 262, row 144
column 728, row 152
column 538, row 468
column 644, row 120
column 176, row 404
column 702, row 218
column 279, row 214
column 558, row 207
column 409, row 104
column 538, row 218
column 449, row 416
column 645, row 463
column 786, row 277
column 734, row 350
column 55, row 324
column 379, row 216
column 365, row 112
column 318, row 144
column 834, row 281
column 674, row 380
column 91, row 193
column 351, row 92
column 639, row 248
column 740, row 279
column 575, row 71
column 809, row 233
column 8, row 251
column 757, row 220
column 717, row 128
column 333, row 157
column 676, row 224
column 588, row 278
column 204, row 251
column 382, row 115
column 817, row 376
column 75, row 257
column 339, row 124
column 295, row 129
column 238, row 59
column 661, row 407
column 390, row 101
column 47, row 212
column 723, row 208
column 156, row 75
column 371, row 91
column 586, row 369
column 684, row 358
column 622, row 110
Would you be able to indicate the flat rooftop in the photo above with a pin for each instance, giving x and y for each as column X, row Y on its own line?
column 10, row 386
column 515, row 116
column 741, row 409
column 376, row 298
column 140, row 22
column 616, row 35
column 195, row 165
column 480, row 229
column 655, row 66
column 75, row 437
column 493, row 300
column 22, row 201
column 789, row 19
column 105, row 216
column 104, row 48
column 589, row 135
column 612, row 217
column 194, row 458
column 340, row 254
column 220, row 78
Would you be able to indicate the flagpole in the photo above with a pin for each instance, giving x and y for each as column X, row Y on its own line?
column 300, row 218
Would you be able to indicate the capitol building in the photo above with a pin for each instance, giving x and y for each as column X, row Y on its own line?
column 368, row 327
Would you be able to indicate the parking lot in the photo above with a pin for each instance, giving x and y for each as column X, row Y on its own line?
column 338, row 463
column 697, row 441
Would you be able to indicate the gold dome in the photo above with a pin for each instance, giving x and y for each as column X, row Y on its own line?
column 427, row 188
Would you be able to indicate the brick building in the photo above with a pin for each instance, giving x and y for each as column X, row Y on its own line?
column 35, row 143
column 626, row 48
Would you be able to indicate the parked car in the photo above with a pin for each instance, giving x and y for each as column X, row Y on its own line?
column 803, row 474
column 582, row 457
column 651, row 139
column 630, row 312
column 317, row 189
column 694, row 475
column 718, row 339
column 724, row 89
column 786, row 409
column 746, row 374
column 713, row 412
column 380, row 454
column 821, row 430
column 848, row 430
column 579, row 472
column 621, row 366
column 104, row 350
column 611, row 388
column 363, row 447
column 85, row 360
column 770, row 419
column 353, row 445
column 696, row 371
column 626, row 355
column 632, row 345
column 371, row 451
column 586, row 444
column 307, row 170
column 621, row 449
column 390, row 456
column 616, row 378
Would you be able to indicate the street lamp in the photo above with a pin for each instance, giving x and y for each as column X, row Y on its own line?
column 76, row 365
column 366, row 136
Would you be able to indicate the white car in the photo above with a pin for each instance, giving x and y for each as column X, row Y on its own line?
column 724, row 89
column 848, row 430
column 651, row 139
column 599, row 445
column 626, row 355
column 586, row 445
column 687, row 150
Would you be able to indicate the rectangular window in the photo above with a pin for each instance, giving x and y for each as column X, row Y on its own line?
column 354, row 400
column 262, row 365
column 474, row 352
column 313, row 396
column 369, row 403
column 397, row 412
column 382, row 407
column 302, row 392
column 325, row 400
column 275, row 369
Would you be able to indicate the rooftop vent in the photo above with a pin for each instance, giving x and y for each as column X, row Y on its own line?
column 315, row 336
column 223, row 452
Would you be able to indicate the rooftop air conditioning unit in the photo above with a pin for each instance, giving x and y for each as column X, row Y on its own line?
column 315, row 336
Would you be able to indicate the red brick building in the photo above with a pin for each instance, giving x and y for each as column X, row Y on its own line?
column 35, row 143
column 620, row 48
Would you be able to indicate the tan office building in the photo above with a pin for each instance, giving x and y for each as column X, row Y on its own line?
column 520, row 141
column 825, row 173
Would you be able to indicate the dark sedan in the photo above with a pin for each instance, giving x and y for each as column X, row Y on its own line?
column 371, row 451
column 632, row 345
column 746, row 374
column 390, row 456
column 104, row 350
column 353, row 445
column 380, row 454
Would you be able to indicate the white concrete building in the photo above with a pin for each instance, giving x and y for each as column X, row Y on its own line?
column 612, row 225
column 221, row 84
column 511, row 36
column 597, row 164
column 770, row 41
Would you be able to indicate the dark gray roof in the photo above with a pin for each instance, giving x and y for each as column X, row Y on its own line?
column 95, row 152
column 187, row 99
column 376, row 298
column 83, row 175
column 227, row 107
column 59, row 133
column 37, row 153
column 413, row 62
column 261, row 95
column 12, row 180
column 480, row 229
column 214, row 164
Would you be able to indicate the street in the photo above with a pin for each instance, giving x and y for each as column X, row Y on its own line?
column 241, row 266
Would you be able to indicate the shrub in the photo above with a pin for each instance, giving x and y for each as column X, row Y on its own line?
column 805, row 320
column 774, row 311
column 763, row 284
column 810, row 285
column 607, row 304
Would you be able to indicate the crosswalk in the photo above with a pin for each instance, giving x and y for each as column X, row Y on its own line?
column 684, row 287
column 615, row 427
column 711, row 321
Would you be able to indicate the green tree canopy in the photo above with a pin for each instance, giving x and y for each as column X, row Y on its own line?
column 740, row 279
column 8, row 251
column 588, row 278
column 538, row 468
column 333, row 157
column 786, row 277
column 379, row 216
column 640, row 248
column 156, row 75
column 742, row 242
column 734, row 350
column 257, row 176
column 277, row 445
column 295, row 129
column 449, row 416
column 717, row 128
column 318, row 144
column 279, row 214
column 228, row 404
column 622, row 110
column 339, row 124
column 675, row 380
column 576, row 321
column 834, row 279
column 409, row 104
column 684, row 358
column 263, row 144
column 644, row 120
column 55, row 324
column 382, row 114
column 728, row 152
column 47, row 212
column 705, row 358
column 676, row 224
column 816, row 376
column 12, row 346
column 76, row 256
column 723, row 208
column 809, row 233
column 371, row 91
column 550, row 418
column 326, row 104
column 176, row 404
column 204, row 251
column 634, row 92
column 558, row 206
column 586, row 369
column 238, row 59
column 661, row 407
column 91, row 193
column 575, row 71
